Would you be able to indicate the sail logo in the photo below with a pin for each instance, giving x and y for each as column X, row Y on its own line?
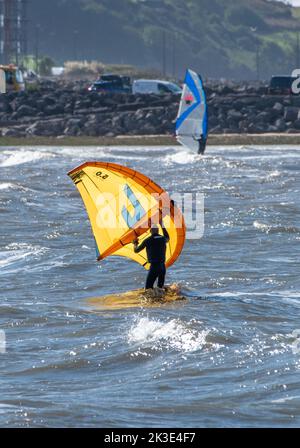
column 129, row 207
column 138, row 210
column 189, row 98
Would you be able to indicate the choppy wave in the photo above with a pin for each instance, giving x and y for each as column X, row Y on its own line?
column 12, row 186
column 7, row 186
column 173, row 335
column 181, row 157
column 268, row 228
column 113, row 153
column 16, row 252
column 13, row 158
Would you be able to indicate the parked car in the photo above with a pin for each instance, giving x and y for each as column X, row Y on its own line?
column 281, row 84
column 148, row 86
column 111, row 83
column 125, row 80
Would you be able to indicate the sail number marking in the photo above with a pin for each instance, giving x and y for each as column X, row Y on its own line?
column 101, row 175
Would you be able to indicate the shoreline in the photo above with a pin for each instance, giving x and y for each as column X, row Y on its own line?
column 153, row 140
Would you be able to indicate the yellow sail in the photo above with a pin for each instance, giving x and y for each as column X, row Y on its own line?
column 122, row 204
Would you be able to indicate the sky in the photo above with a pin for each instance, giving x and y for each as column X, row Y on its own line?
column 293, row 2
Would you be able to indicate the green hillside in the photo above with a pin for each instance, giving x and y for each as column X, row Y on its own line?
column 219, row 38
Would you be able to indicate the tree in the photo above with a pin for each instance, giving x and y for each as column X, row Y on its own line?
column 45, row 66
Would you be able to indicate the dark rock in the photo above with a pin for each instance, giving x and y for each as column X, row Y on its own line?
column 213, row 121
column 69, row 108
column 263, row 117
column 56, row 109
column 40, row 104
column 287, row 101
column 296, row 124
column 243, row 125
column 5, row 107
column 280, row 125
column 47, row 128
column 295, row 100
column 24, row 110
column 293, row 131
column 49, row 100
column 75, row 122
column 82, row 104
column 291, row 113
column 118, row 121
column 128, row 107
column 216, row 130
column 225, row 90
column 140, row 114
column 278, row 107
column 254, row 128
column 272, row 129
column 72, row 131
column 234, row 115
column 13, row 132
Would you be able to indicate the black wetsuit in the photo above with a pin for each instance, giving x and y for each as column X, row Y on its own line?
column 155, row 246
column 202, row 145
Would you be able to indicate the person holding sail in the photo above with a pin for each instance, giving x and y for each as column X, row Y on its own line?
column 156, row 246
column 202, row 144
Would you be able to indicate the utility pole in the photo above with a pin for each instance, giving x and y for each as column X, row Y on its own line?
column 164, row 53
column 257, row 60
column 257, row 55
column 13, row 32
column 7, row 32
column 75, row 45
column 174, row 55
column 297, row 51
column 37, row 48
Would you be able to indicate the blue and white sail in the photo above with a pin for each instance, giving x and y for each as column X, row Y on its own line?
column 191, row 123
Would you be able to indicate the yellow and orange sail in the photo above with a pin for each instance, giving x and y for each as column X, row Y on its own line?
column 122, row 204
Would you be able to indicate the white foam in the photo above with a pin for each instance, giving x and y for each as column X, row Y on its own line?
column 4, row 408
column 6, row 186
column 24, row 156
column 278, row 228
column 285, row 399
column 275, row 173
column 182, row 157
column 7, row 259
column 16, row 252
column 89, row 152
column 99, row 153
column 171, row 335
column 10, row 186
column 261, row 226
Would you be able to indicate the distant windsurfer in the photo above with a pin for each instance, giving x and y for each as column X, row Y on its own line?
column 192, row 118
column 156, row 246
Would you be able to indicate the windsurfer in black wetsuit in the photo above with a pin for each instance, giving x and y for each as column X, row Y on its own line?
column 155, row 246
column 202, row 144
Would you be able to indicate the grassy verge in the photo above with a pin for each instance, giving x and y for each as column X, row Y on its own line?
column 156, row 140
column 89, row 141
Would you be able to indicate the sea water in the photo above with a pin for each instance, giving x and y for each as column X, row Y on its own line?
column 228, row 357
